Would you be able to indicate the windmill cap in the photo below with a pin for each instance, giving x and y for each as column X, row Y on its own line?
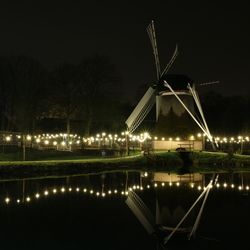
column 177, row 82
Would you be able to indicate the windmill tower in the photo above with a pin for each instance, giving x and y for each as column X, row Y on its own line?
column 174, row 96
column 172, row 117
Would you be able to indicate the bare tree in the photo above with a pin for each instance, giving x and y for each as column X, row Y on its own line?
column 99, row 85
column 64, row 91
column 22, row 83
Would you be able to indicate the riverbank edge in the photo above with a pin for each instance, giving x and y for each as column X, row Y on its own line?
column 164, row 161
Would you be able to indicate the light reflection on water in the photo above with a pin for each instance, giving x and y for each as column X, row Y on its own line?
column 89, row 211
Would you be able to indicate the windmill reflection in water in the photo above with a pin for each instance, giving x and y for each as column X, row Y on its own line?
column 158, row 225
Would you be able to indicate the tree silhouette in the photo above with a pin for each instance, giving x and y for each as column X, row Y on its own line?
column 64, row 92
column 23, row 88
column 100, row 89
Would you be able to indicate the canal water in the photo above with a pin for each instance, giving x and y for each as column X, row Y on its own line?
column 96, row 211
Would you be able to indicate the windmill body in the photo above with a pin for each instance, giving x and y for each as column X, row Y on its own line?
column 171, row 116
column 165, row 100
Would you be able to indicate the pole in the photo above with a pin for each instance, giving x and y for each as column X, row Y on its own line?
column 24, row 144
column 241, row 148
column 203, row 142
column 127, row 146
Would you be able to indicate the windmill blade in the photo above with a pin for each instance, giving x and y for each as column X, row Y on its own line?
column 206, row 83
column 198, row 104
column 191, row 208
column 141, row 211
column 141, row 110
column 151, row 33
column 193, row 231
column 176, row 52
column 186, row 108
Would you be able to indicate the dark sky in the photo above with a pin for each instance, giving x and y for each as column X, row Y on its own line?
column 213, row 37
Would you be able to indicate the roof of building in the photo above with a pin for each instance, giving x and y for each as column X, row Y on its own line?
column 177, row 82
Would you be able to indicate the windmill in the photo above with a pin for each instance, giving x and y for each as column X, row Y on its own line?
column 175, row 93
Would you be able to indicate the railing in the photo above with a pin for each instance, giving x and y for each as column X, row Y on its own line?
column 188, row 146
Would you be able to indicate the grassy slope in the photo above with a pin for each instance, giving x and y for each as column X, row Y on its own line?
column 54, row 162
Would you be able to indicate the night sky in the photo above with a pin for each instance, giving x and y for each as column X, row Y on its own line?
column 213, row 37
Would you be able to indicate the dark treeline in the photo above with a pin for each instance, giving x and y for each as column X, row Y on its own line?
column 87, row 98
column 80, row 98
column 227, row 115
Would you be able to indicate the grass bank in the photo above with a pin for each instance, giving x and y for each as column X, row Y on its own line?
column 217, row 158
column 58, row 163
column 52, row 164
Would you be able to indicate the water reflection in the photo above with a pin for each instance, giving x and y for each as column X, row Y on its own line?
column 90, row 211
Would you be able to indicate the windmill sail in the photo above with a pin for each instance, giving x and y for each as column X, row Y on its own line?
column 141, row 211
column 205, row 192
column 141, row 110
column 152, row 37
column 176, row 52
column 186, row 108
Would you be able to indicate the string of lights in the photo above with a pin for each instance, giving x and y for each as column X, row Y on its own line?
column 57, row 139
column 98, row 193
